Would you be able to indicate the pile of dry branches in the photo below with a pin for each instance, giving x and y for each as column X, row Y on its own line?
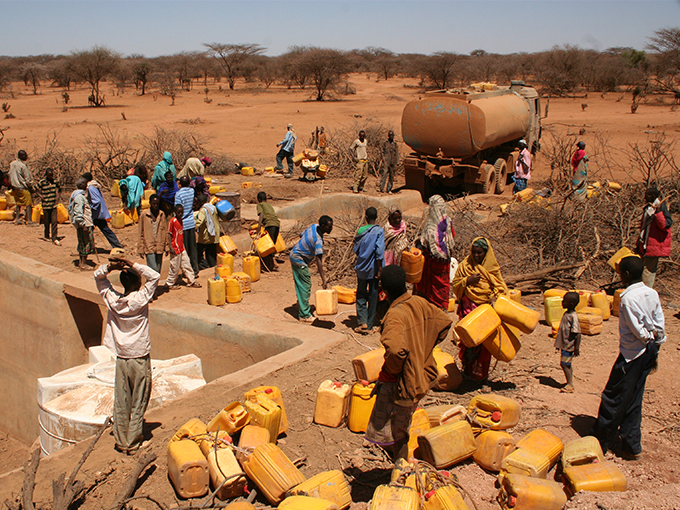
column 340, row 159
column 109, row 154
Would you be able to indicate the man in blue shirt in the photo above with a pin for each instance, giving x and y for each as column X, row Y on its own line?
column 100, row 213
column 369, row 245
column 287, row 149
column 185, row 197
column 307, row 249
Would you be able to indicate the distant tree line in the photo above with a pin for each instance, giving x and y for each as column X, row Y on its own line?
column 324, row 71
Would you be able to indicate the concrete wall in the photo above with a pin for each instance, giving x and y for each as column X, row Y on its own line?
column 38, row 338
column 51, row 317
column 337, row 203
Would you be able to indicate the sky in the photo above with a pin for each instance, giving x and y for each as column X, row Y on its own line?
column 165, row 27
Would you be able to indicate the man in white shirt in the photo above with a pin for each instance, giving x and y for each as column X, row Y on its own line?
column 127, row 336
column 359, row 150
column 641, row 331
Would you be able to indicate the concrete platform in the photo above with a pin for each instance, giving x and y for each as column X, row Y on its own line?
column 53, row 316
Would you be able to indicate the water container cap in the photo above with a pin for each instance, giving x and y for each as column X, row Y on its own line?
column 268, row 391
column 429, row 494
column 337, row 384
column 512, row 501
column 496, row 416
column 364, row 382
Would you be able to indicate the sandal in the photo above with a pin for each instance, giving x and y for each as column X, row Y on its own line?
column 361, row 328
column 195, row 285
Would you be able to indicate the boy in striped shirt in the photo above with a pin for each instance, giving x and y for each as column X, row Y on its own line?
column 49, row 192
column 307, row 249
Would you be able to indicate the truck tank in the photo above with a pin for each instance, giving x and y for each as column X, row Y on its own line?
column 463, row 125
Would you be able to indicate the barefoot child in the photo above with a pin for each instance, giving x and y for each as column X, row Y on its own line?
column 179, row 259
column 568, row 340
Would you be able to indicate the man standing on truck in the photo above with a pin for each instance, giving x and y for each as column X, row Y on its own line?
column 522, row 168
column 390, row 157
column 359, row 150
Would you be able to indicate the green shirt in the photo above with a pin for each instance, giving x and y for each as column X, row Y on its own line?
column 269, row 218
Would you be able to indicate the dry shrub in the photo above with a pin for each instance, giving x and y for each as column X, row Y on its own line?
column 338, row 156
column 108, row 155
column 66, row 165
column 181, row 143
column 530, row 238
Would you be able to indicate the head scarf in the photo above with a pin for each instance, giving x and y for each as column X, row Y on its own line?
column 491, row 283
column 437, row 236
column 395, row 239
column 199, row 184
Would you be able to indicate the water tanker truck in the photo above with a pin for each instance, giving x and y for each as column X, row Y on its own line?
column 468, row 141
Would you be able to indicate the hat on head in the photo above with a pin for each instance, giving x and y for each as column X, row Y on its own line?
column 117, row 253
column 290, row 125
column 206, row 161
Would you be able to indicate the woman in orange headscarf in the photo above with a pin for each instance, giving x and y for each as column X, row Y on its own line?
column 478, row 281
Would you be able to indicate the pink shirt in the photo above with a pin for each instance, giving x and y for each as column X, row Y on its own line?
column 523, row 165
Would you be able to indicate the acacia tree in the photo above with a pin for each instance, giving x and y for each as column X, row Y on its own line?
column 324, row 66
column 59, row 71
column 384, row 61
column 267, row 71
column 560, row 70
column 94, row 65
column 438, row 69
column 666, row 43
column 141, row 70
column 292, row 72
column 232, row 57
column 32, row 73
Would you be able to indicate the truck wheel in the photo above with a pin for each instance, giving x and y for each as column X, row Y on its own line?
column 501, row 169
column 489, row 185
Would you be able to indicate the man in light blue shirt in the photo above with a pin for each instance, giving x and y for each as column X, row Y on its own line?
column 309, row 248
column 286, row 152
column 185, row 197
column 641, row 331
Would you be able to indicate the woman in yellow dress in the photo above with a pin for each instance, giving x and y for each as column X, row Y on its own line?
column 478, row 281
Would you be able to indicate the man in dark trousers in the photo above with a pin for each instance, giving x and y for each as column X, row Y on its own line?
column 369, row 246
column 410, row 330
column 390, row 160
column 641, row 331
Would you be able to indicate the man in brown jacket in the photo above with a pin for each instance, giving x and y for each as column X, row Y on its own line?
column 153, row 234
column 410, row 330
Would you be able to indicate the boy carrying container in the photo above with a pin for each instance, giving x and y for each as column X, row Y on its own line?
column 266, row 217
column 179, row 258
column 568, row 340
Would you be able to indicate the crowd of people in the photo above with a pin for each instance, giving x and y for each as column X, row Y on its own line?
column 182, row 222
